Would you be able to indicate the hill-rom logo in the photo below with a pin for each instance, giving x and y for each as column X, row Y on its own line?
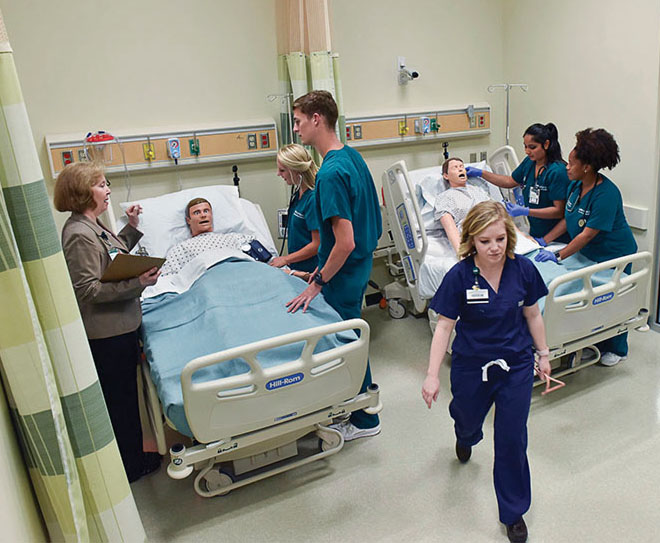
column 284, row 381
column 603, row 298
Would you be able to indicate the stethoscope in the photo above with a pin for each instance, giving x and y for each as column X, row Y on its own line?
column 536, row 177
column 295, row 190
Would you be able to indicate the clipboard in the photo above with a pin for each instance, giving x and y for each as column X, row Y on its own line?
column 126, row 266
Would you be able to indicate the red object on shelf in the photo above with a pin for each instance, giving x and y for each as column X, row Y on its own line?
column 99, row 137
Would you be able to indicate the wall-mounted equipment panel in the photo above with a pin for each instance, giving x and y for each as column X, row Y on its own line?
column 149, row 150
column 442, row 124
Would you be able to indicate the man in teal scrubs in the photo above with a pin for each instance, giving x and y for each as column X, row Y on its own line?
column 349, row 213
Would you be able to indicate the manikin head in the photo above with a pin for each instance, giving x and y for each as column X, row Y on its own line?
column 453, row 171
column 199, row 216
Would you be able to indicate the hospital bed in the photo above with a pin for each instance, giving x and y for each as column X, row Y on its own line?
column 583, row 307
column 227, row 366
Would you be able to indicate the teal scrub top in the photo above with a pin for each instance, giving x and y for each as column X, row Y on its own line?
column 345, row 189
column 303, row 219
column 552, row 184
column 601, row 209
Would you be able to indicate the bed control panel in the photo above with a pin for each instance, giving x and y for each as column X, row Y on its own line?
column 402, row 214
column 408, row 269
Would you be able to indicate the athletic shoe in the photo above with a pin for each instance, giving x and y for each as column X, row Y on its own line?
column 463, row 453
column 351, row 432
column 517, row 532
column 611, row 359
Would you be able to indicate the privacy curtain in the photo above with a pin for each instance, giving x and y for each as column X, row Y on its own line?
column 48, row 372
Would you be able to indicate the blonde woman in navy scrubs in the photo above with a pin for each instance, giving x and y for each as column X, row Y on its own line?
column 542, row 178
column 594, row 217
column 495, row 293
column 296, row 166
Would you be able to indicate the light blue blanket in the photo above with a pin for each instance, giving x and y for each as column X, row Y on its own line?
column 550, row 270
column 235, row 302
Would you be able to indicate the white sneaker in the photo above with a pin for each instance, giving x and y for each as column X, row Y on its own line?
column 351, row 432
column 611, row 359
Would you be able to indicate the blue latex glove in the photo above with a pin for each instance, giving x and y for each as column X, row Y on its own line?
column 473, row 172
column 545, row 256
column 541, row 242
column 515, row 210
column 518, row 195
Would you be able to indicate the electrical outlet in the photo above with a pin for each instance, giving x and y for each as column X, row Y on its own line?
column 82, row 155
column 67, row 157
column 348, row 133
column 252, row 141
column 473, row 121
column 484, row 155
column 473, row 157
column 357, row 131
column 265, row 140
column 481, row 120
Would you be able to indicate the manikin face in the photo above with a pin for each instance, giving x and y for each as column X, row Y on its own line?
column 490, row 243
column 100, row 195
column 575, row 168
column 456, row 175
column 201, row 219
column 534, row 150
column 305, row 126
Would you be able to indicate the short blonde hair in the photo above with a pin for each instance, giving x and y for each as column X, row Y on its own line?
column 73, row 188
column 297, row 159
column 481, row 217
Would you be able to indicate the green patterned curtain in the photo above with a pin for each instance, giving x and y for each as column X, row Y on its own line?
column 47, row 368
column 298, row 74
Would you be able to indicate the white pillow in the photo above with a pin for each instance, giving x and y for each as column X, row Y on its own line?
column 163, row 218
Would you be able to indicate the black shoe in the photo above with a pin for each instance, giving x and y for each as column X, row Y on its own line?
column 517, row 532
column 150, row 463
column 463, row 453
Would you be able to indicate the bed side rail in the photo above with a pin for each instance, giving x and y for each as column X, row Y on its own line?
column 262, row 397
column 406, row 223
column 594, row 309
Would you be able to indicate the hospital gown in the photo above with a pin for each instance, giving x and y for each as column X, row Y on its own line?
column 182, row 253
column 457, row 201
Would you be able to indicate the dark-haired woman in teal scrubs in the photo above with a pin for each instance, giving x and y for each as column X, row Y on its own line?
column 594, row 217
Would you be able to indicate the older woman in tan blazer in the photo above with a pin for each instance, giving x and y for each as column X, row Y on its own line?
column 110, row 311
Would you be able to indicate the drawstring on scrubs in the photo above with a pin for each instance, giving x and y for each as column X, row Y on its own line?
column 499, row 362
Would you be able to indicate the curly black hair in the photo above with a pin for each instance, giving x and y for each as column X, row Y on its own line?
column 597, row 147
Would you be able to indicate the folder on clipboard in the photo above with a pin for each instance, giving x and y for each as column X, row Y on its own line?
column 128, row 266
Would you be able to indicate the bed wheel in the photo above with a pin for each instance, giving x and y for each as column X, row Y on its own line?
column 396, row 309
column 330, row 441
column 216, row 479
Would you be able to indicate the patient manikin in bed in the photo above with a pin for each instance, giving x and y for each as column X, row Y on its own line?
column 199, row 216
column 452, row 205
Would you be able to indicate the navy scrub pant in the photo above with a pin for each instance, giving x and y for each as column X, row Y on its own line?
column 344, row 294
column 511, row 393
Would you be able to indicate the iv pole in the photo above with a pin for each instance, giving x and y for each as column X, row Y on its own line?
column 507, row 87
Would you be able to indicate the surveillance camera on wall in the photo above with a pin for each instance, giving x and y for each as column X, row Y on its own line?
column 404, row 74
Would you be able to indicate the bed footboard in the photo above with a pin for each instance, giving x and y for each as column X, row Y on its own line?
column 595, row 313
column 261, row 398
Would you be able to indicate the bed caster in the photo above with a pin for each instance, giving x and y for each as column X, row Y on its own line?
column 396, row 309
column 176, row 468
column 329, row 438
column 215, row 480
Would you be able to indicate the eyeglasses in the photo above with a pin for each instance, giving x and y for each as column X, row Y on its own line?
column 548, row 387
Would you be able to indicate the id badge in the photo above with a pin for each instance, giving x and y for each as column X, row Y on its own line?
column 477, row 295
column 534, row 195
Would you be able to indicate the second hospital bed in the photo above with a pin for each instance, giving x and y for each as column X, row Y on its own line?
column 227, row 366
column 587, row 302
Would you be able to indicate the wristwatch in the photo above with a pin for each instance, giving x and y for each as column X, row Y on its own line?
column 557, row 256
column 318, row 279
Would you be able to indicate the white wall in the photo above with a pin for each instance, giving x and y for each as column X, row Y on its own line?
column 457, row 47
column 592, row 63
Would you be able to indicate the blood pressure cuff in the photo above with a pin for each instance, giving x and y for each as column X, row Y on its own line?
column 257, row 251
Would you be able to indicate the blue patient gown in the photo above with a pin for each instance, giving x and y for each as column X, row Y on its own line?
column 485, row 332
column 345, row 189
column 601, row 209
